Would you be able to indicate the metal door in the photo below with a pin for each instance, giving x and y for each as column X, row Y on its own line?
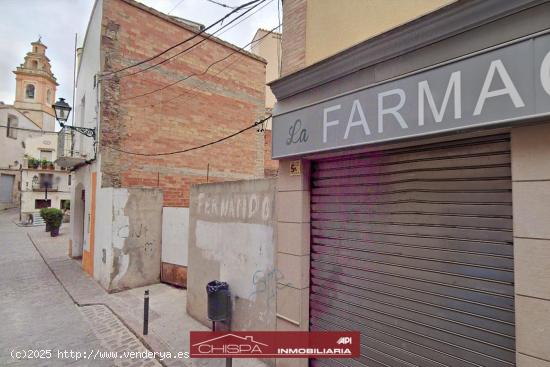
column 6, row 188
column 413, row 247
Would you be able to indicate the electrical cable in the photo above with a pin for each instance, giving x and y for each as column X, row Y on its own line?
column 209, row 36
column 189, row 149
column 173, row 8
column 184, row 41
column 221, row 4
column 189, row 91
column 198, row 74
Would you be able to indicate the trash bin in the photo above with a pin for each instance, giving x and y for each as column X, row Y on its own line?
column 219, row 300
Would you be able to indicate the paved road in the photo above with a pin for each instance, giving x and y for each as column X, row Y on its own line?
column 38, row 317
column 35, row 311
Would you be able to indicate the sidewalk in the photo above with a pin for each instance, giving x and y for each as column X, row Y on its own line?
column 169, row 323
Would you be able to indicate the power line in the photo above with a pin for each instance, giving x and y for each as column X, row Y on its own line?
column 201, row 73
column 242, row 20
column 209, row 36
column 193, row 148
column 221, row 4
column 173, row 8
column 184, row 41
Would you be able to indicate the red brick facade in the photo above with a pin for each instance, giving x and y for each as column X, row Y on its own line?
column 271, row 166
column 294, row 36
column 211, row 106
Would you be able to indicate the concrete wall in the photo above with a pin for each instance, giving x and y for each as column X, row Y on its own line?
column 128, row 237
column 531, row 198
column 103, row 253
column 232, row 238
column 175, row 234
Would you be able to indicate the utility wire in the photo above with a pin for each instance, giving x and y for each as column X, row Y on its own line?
column 173, row 8
column 184, row 41
column 221, row 4
column 193, row 148
column 209, row 36
column 188, row 91
column 240, row 49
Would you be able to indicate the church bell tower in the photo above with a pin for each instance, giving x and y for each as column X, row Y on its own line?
column 36, row 86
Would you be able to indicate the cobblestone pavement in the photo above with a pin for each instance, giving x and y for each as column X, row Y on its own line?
column 41, row 325
column 115, row 337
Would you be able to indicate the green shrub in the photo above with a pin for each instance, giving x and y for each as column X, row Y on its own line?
column 33, row 162
column 52, row 216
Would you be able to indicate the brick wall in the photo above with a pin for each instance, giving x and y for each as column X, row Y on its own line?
column 294, row 36
column 271, row 166
column 221, row 104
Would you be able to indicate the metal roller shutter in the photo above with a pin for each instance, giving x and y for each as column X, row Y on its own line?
column 413, row 247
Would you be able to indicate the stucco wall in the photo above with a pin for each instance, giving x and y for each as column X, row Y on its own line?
column 333, row 26
column 270, row 49
column 232, row 238
column 80, row 210
column 12, row 150
column 87, row 90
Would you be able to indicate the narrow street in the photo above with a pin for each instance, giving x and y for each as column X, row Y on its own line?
column 51, row 308
column 41, row 323
column 34, row 304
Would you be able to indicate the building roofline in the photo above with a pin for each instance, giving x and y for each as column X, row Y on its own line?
column 2, row 106
column 266, row 31
column 188, row 27
column 443, row 23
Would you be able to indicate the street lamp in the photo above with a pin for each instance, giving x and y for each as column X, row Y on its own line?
column 62, row 111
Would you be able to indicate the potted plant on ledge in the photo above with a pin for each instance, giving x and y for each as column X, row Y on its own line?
column 53, row 218
column 33, row 162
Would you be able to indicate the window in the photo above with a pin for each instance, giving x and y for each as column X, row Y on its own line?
column 11, row 131
column 29, row 91
column 46, row 181
column 41, row 203
column 69, row 180
column 46, row 154
column 34, row 64
column 49, row 96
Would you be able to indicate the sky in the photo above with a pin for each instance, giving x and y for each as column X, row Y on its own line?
column 57, row 21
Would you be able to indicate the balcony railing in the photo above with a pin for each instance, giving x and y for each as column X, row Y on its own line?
column 42, row 187
column 67, row 155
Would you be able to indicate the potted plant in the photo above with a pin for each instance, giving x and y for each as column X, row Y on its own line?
column 44, row 163
column 45, row 214
column 33, row 162
column 53, row 218
column 51, row 165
